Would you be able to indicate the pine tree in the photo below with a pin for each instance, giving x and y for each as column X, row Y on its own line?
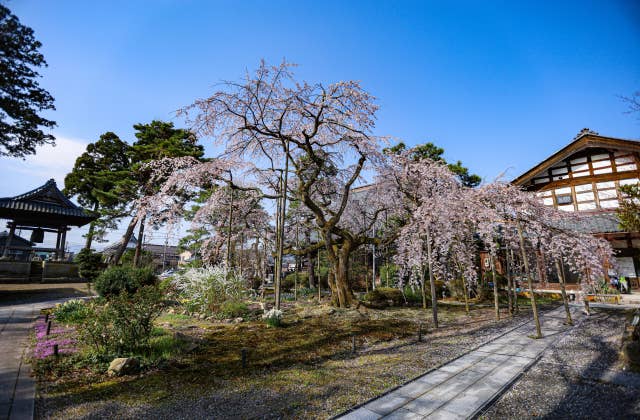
column 155, row 141
column 21, row 97
column 100, row 180
column 629, row 211
column 433, row 152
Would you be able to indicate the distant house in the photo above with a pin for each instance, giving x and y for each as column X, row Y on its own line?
column 22, row 250
column 163, row 256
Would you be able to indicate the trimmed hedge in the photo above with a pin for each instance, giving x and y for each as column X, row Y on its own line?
column 383, row 297
column 115, row 280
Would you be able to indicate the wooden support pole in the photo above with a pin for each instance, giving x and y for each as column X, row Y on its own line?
column 58, row 236
column 63, row 243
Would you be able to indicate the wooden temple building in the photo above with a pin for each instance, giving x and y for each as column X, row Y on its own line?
column 584, row 177
column 40, row 211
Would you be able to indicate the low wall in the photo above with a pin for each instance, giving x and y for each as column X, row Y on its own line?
column 15, row 268
column 15, row 272
column 57, row 270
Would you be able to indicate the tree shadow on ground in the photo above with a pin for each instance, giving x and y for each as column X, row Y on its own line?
column 17, row 297
column 580, row 379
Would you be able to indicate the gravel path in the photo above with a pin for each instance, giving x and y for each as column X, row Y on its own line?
column 577, row 377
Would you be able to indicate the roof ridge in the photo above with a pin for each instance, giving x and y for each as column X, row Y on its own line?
column 50, row 185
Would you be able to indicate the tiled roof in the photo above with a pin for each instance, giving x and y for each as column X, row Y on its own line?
column 46, row 202
column 15, row 240
column 594, row 223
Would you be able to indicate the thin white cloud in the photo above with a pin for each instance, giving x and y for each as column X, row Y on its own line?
column 48, row 162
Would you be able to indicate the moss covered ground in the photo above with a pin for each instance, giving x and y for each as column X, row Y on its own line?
column 305, row 369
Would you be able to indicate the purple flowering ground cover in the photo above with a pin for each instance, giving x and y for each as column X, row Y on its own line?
column 63, row 336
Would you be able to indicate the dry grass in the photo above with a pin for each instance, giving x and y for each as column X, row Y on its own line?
column 305, row 369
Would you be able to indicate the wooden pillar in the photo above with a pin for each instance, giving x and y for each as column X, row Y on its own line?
column 63, row 243
column 7, row 244
column 59, row 234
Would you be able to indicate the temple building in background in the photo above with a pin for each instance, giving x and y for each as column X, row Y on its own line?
column 584, row 177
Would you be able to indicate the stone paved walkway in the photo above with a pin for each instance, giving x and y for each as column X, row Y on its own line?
column 464, row 386
column 17, row 387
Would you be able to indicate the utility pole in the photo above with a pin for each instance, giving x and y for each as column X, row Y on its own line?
column 164, row 252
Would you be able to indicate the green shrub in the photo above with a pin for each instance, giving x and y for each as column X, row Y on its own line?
column 233, row 309
column 72, row 311
column 414, row 296
column 306, row 292
column 89, row 264
column 290, row 279
column 124, row 324
column 143, row 276
column 384, row 296
column 115, row 280
column 389, row 274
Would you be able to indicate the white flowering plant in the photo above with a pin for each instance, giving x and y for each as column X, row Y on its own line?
column 205, row 289
column 273, row 317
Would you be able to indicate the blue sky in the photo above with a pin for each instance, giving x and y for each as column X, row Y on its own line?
column 497, row 84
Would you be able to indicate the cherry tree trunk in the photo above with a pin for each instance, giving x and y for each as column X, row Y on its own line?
column 564, row 292
column 341, row 288
column 310, row 271
column 534, row 307
column 92, row 228
column 125, row 241
column 137, row 255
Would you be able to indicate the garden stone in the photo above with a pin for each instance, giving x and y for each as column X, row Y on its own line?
column 123, row 366
column 238, row 320
column 202, row 316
